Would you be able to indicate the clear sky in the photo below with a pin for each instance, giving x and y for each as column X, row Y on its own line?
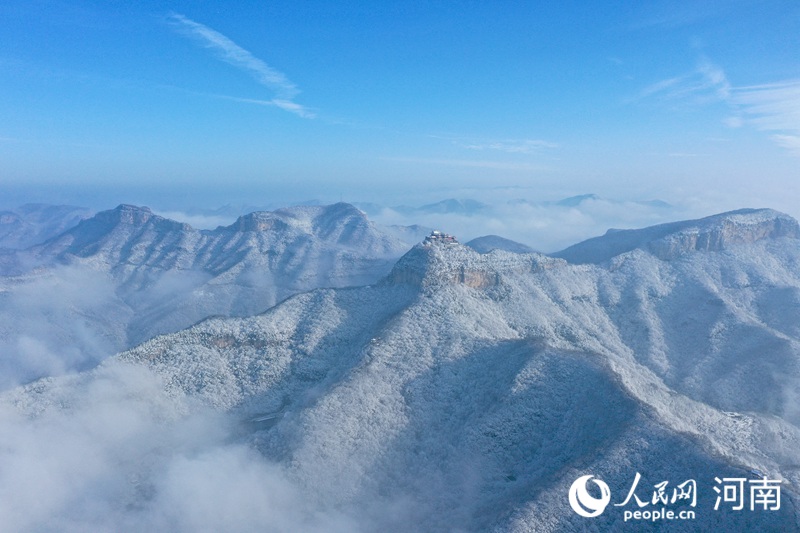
column 204, row 103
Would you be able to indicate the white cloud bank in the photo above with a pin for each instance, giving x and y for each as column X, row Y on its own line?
column 546, row 227
column 110, row 451
column 56, row 322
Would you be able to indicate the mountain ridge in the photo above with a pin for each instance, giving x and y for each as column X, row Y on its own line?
column 31, row 224
column 470, row 390
column 670, row 240
column 154, row 275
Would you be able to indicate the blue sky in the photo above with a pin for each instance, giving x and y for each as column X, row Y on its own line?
column 193, row 103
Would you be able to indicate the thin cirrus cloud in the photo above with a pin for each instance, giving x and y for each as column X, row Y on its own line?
column 707, row 83
column 286, row 105
column 513, row 146
column 230, row 52
column 468, row 163
column 774, row 108
column 510, row 146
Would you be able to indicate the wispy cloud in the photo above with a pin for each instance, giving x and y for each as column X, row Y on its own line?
column 684, row 154
column 771, row 107
column 660, row 87
column 232, row 53
column 705, row 84
column 774, row 108
column 286, row 105
column 510, row 146
column 513, row 146
column 471, row 163
column 790, row 142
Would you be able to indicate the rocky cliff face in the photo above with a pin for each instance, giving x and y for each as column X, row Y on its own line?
column 723, row 231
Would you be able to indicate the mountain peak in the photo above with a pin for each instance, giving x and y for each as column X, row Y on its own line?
column 342, row 209
column 487, row 243
column 435, row 263
column 453, row 205
column 320, row 220
column 574, row 201
column 132, row 215
column 257, row 221
column 111, row 229
column 131, row 208
column 668, row 241
column 32, row 224
column 340, row 221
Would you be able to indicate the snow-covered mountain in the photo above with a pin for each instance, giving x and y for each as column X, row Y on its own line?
column 487, row 243
column 671, row 240
column 467, row 391
column 127, row 274
column 333, row 245
column 544, row 225
column 577, row 201
column 466, row 206
column 32, row 224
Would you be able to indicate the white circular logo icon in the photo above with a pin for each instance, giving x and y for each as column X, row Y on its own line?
column 584, row 503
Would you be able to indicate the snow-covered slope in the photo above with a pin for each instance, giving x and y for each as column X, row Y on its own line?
column 127, row 274
column 468, row 391
column 35, row 223
column 668, row 241
column 487, row 243
column 131, row 239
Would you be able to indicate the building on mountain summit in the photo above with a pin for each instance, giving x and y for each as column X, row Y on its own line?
column 438, row 236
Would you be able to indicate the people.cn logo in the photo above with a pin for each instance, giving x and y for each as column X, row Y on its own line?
column 584, row 503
